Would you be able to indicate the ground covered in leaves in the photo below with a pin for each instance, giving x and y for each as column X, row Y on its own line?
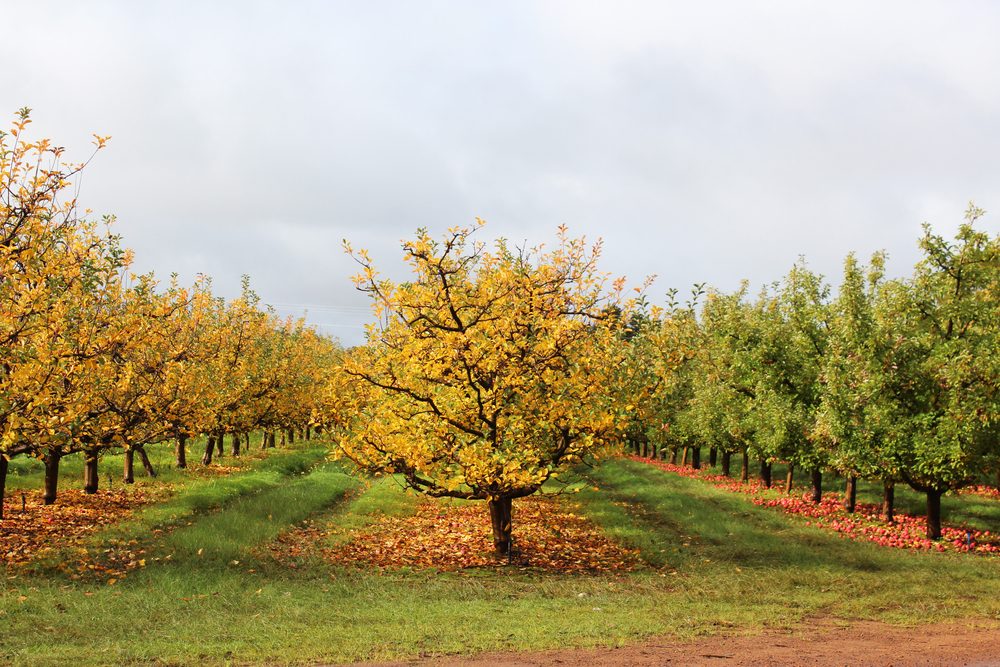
column 34, row 532
column 866, row 523
column 549, row 535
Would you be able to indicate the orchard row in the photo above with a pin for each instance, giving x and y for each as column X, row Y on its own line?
column 896, row 381
column 94, row 358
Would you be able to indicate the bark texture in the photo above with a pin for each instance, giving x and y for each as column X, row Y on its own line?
column 51, row 476
column 90, row 476
column 851, row 494
column 500, row 519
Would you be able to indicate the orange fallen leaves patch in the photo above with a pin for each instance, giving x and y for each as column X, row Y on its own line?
column 548, row 535
column 40, row 530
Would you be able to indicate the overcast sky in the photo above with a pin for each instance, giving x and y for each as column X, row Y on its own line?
column 707, row 141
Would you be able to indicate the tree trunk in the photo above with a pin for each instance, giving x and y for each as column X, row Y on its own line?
column 684, row 457
column 282, row 438
column 696, row 458
column 713, row 454
column 90, row 476
column 128, row 471
column 889, row 500
column 51, row 476
column 291, row 436
column 789, row 478
column 500, row 520
column 934, row 515
column 220, row 444
column 3, row 481
column 817, row 484
column 263, row 440
column 851, row 494
column 727, row 459
column 673, row 456
column 308, row 433
column 765, row 473
column 182, row 451
column 144, row 457
column 652, row 448
column 246, row 441
column 209, row 449
column 745, row 469
column 236, row 444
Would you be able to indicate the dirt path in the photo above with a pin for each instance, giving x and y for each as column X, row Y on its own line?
column 824, row 643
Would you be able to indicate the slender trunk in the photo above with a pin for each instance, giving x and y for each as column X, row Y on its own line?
column 889, row 500
column 851, row 494
column 291, row 436
column 765, row 472
column 263, row 440
column 236, row 444
column 209, row 449
column 51, row 476
column 282, row 438
column 789, row 478
column 727, row 459
column 684, row 457
column 128, row 470
column 500, row 520
column 933, row 515
column 146, row 464
column 745, row 469
column 673, row 456
column 696, row 458
column 713, row 454
column 246, row 441
column 220, row 444
column 817, row 484
column 90, row 478
column 3, row 481
column 182, row 451
column 652, row 446
column 308, row 433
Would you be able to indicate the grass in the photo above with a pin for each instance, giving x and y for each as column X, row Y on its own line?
column 718, row 564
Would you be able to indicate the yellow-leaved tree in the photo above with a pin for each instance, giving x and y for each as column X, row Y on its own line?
column 489, row 371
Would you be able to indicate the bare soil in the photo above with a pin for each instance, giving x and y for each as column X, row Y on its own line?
column 823, row 643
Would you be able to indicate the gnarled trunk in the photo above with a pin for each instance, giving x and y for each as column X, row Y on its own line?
column 236, row 444
column 817, row 484
column 790, row 477
column 933, row 515
column 209, row 449
column 90, row 476
column 182, row 451
column 889, row 500
column 146, row 463
column 51, row 476
column 727, row 458
column 765, row 472
column 128, row 469
column 500, row 519
column 851, row 494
